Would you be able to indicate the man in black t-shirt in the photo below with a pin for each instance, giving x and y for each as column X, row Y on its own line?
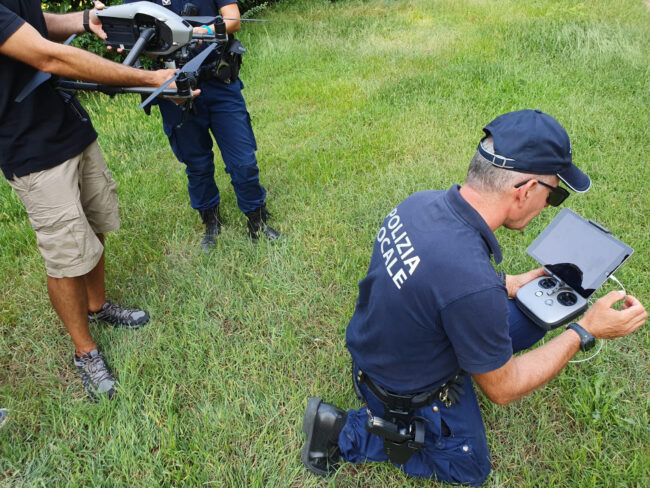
column 50, row 157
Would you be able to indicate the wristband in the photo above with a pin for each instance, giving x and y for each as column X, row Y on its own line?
column 502, row 277
column 86, row 20
column 209, row 29
column 587, row 340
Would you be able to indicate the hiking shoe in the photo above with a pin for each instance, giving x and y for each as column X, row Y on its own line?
column 96, row 377
column 126, row 318
column 4, row 415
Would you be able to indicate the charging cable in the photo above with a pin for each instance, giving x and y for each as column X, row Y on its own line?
column 602, row 341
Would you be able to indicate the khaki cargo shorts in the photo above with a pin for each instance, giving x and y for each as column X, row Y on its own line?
column 67, row 206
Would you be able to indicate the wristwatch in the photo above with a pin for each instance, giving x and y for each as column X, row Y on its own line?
column 502, row 277
column 587, row 340
column 85, row 18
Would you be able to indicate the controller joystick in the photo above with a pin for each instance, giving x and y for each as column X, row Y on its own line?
column 567, row 298
column 547, row 283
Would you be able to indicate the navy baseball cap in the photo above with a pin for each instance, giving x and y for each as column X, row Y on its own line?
column 530, row 141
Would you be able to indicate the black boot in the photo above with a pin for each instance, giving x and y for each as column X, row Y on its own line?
column 322, row 425
column 212, row 220
column 257, row 223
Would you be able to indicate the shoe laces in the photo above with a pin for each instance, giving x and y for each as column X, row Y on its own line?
column 117, row 312
column 95, row 367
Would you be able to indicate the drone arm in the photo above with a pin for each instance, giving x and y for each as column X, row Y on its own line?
column 28, row 46
column 67, row 85
column 139, row 46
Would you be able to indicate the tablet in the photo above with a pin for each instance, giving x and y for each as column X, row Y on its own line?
column 579, row 255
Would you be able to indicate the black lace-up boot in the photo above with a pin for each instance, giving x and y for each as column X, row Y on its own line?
column 212, row 220
column 257, row 224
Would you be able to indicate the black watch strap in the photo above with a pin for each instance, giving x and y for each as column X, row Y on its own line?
column 86, row 20
column 502, row 277
column 587, row 340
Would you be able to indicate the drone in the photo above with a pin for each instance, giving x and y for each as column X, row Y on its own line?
column 145, row 28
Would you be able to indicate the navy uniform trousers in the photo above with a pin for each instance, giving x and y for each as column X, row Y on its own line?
column 455, row 448
column 220, row 109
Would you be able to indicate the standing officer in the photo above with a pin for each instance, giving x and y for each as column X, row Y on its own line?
column 220, row 109
column 432, row 311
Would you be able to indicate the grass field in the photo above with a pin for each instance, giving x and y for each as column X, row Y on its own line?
column 355, row 104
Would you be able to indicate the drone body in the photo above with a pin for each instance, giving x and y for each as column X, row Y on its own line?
column 124, row 25
column 145, row 28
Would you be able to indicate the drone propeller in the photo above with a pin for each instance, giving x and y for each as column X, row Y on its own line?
column 247, row 20
column 199, row 20
column 38, row 79
column 190, row 67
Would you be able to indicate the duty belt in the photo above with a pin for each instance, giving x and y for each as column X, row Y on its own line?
column 448, row 393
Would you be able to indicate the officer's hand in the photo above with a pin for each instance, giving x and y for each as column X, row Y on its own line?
column 202, row 30
column 514, row 282
column 94, row 23
column 606, row 323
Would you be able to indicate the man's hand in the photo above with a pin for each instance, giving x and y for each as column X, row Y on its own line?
column 165, row 74
column 96, row 24
column 202, row 30
column 514, row 282
column 606, row 323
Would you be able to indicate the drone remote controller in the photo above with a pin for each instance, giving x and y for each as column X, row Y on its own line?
column 549, row 302
column 578, row 255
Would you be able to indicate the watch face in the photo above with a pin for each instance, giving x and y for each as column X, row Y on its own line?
column 588, row 343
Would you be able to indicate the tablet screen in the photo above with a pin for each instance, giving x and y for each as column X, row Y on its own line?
column 578, row 252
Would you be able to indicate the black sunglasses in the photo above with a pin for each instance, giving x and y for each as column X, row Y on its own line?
column 555, row 197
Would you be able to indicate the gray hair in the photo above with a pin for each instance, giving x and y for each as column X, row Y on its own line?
column 482, row 175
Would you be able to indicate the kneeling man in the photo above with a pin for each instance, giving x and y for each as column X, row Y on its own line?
column 432, row 312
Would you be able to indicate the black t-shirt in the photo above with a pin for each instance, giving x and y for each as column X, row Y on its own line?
column 42, row 131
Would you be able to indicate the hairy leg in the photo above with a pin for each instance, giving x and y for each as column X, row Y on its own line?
column 69, row 298
column 94, row 282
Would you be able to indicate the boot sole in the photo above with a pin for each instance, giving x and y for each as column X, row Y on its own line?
column 308, row 424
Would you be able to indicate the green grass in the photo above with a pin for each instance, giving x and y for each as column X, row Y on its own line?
column 355, row 105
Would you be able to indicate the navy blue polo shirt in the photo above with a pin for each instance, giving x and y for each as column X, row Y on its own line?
column 431, row 302
column 206, row 7
column 42, row 131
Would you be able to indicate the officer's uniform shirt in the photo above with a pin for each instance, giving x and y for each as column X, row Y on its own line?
column 41, row 131
column 431, row 302
column 206, row 7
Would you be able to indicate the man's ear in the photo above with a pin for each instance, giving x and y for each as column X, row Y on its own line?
column 523, row 192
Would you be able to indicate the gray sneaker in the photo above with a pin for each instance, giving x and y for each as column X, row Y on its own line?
column 96, row 377
column 4, row 415
column 126, row 318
